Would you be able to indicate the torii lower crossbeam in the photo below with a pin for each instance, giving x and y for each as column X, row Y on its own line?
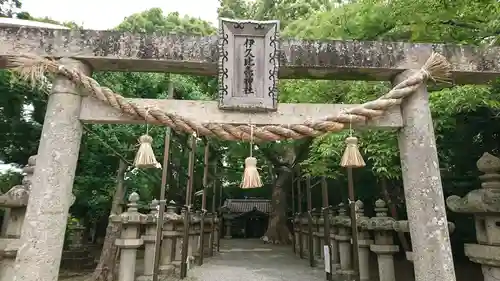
column 94, row 111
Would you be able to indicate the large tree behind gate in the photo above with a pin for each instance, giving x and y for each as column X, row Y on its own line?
column 285, row 160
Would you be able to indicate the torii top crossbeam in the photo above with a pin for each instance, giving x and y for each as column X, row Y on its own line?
column 339, row 60
column 250, row 58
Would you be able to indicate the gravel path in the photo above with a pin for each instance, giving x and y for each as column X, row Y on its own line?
column 252, row 260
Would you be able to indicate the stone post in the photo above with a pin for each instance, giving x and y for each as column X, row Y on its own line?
column 304, row 234
column 190, row 236
column 404, row 226
column 343, row 224
column 149, row 239
column 384, row 247
column 216, row 233
column 206, row 248
column 296, row 235
column 318, row 237
column 44, row 226
column 227, row 223
column 129, row 240
column 364, row 242
column 484, row 204
column 76, row 236
column 194, row 234
column 14, row 221
column 334, row 242
column 423, row 191
column 16, row 199
column 169, row 243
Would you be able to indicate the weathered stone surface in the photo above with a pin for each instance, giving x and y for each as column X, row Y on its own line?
column 486, row 199
column 483, row 254
column 423, row 190
column 18, row 195
column 117, row 51
column 39, row 255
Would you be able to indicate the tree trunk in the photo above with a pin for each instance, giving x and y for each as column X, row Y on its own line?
column 277, row 229
column 105, row 270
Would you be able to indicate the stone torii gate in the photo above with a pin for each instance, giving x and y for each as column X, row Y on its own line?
column 87, row 50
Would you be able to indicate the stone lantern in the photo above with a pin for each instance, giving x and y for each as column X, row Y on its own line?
column 484, row 204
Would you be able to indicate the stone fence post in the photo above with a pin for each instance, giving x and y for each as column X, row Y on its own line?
column 484, row 204
column 15, row 201
column 304, row 221
column 319, row 223
column 76, row 236
column 335, row 256
column 343, row 224
column 149, row 239
column 215, row 234
column 194, row 235
column 129, row 240
column 170, row 245
column 364, row 242
column 206, row 249
column 404, row 226
column 296, row 233
column 382, row 226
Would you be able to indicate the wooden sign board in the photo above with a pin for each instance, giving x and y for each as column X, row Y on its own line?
column 248, row 65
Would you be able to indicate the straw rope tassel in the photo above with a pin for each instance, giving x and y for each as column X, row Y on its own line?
column 352, row 157
column 145, row 157
column 251, row 177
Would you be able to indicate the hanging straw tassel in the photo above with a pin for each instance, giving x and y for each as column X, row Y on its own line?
column 145, row 157
column 437, row 68
column 251, row 177
column 352, row 157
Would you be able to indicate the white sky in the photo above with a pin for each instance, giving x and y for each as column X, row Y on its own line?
column 106, row 14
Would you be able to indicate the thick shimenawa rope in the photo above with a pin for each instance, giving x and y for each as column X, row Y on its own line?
column 33, row 68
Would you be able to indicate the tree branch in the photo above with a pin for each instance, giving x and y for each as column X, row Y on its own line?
column 459, row 24
column 272, row 157
column 302, row 151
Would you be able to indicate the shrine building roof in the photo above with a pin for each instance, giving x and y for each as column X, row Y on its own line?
column 247, row 205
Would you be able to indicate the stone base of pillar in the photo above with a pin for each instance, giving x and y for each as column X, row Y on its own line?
column 144, row 278
column 227, row 237
column 346, row 274
column 168, row 269
column 488, row 257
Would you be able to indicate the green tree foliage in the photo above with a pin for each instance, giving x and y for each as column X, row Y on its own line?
column 465, row 117
column 9, row 7
column 27, row 16
column 154, row 20
column 285, row 11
